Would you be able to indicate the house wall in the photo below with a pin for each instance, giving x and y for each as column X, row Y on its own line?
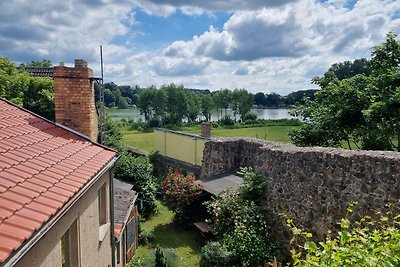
column 313, row 186
column 47, row 251
column 184, row 147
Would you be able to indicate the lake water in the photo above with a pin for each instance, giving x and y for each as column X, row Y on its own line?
column 270, row 114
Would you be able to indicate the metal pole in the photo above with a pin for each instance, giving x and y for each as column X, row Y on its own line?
column 102, row 112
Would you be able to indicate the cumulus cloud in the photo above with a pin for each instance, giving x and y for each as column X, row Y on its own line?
column 59, row 30
column 293, row 30
column 166, row 66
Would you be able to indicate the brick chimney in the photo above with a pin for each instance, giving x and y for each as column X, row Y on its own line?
column 74, row 98
column 206, row 129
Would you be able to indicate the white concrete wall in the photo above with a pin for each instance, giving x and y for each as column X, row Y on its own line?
column 47, row 252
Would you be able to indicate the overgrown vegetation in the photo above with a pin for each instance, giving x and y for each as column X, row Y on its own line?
column 240, row 224
column 358, row 104
column 365, row 243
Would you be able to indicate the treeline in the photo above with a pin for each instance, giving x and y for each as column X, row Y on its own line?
column 171, row 104
column 125, row 96
column 274, row 100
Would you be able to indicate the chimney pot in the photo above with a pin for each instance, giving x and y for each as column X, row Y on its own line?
column 61, row 64
column 80, row 64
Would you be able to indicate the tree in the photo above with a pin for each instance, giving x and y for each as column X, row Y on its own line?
column 206, row 106
column 145, row 102
column 259, row 99
column 33, row 93
column 245, row 103
column 193, row 108
column 39, row 97
column 36, row 64
column 361, row 110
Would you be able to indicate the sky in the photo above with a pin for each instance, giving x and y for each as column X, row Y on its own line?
column 260, row 45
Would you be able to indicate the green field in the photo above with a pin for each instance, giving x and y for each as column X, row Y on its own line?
column 180, row 245
column 273, row 133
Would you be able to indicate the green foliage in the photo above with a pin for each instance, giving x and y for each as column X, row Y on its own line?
column 36, row 64
column 240, row 223
column 138, row 171
column 214, row 254
column 249, row 116
column 122, row 96
column 367, row 242
column 112, row 134
column 33, row 93
column 39, row 97
column 160, row 258
column 179, row 191
column 359, row 103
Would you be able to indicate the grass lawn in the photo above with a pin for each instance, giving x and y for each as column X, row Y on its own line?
column 181, row 244
column 273, row 133
column 144, row 141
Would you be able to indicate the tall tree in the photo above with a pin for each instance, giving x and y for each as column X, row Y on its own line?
column 361, row 110
column 206, row 106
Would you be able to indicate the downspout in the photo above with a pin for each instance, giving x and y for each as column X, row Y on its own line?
column 112, row 218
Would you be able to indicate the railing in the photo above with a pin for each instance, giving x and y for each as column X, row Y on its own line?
column 181, row 146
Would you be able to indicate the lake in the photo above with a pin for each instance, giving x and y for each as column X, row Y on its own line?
column 269, row 114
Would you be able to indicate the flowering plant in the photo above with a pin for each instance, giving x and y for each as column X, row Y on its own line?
column 179, row 190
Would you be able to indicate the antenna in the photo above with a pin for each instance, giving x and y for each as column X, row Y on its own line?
column 102, row 112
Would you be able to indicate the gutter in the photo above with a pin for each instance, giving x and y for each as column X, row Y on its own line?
column 42, row 231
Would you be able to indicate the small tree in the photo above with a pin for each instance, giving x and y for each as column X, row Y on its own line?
column 161, row 261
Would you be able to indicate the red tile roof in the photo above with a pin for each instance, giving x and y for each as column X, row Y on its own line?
column 42, row 166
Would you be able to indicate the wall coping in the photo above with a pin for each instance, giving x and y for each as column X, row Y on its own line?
column 291, row 148
column 195, row 136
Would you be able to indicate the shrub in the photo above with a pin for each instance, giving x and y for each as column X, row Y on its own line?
column 161, row 261
column 227, row 120
column 367, row 242
column 138, row 171
column 250, row 116
column 179, row 191
column 239, row 221
column 214, row 254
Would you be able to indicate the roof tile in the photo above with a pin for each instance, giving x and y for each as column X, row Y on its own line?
column 41, row 167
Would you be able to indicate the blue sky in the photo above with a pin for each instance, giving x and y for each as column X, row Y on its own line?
column 261, row 45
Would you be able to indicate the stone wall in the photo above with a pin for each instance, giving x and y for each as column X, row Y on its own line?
column 314, row 186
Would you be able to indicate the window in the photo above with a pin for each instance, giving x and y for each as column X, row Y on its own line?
column 69, row 247
column 118, row 245
column 103, row 220
column 102, row 195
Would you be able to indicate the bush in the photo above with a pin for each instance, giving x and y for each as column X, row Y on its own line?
column 160, row 170
column 239, row 221
column 227, row 120
column 138, row 171
column 250, row 116
column 367, row 242
column 214, row 254
column 161, row 261
column 179, row 191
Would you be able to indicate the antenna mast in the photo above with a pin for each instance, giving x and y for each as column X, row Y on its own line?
column 102, row 112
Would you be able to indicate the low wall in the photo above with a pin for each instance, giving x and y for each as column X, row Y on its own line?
column 180, row 146
column 314, row 186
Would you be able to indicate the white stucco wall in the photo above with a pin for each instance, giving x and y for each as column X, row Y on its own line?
column 47, row 252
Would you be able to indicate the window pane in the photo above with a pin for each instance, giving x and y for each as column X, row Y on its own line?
column 65, row 249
